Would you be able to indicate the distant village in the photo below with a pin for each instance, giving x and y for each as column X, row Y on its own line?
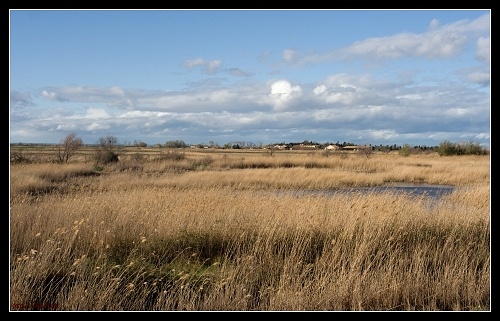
column 305, row 145
column 333, row 147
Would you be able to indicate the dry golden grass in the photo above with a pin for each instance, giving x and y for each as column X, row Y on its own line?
column 227, row 231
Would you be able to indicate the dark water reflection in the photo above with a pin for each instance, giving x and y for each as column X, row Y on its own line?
column 432, row 191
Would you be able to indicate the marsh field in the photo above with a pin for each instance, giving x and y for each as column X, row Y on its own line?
column 247, row 230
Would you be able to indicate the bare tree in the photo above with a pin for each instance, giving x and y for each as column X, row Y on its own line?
column 68, row 148
column 366, row 150
column 108, row 142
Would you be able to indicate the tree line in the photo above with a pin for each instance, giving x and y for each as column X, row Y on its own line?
column 106, row 147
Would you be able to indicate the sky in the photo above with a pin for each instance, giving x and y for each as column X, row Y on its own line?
column 379, row 77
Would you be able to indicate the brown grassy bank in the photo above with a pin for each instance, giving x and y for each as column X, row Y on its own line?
column 207, row 231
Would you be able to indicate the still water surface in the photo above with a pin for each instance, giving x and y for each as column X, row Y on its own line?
column 433, row 191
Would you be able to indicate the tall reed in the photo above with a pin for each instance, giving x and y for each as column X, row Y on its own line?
column 224, row 239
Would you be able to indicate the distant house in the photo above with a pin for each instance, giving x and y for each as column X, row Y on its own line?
column 332, row 147
column 357, row 147
column 303, row 147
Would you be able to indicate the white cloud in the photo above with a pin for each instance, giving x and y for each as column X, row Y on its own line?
column 96, row 113
column 51, row 96
column 481, row 78
column 339, row 89
column 18, row 99
column 222, row 96
column 410, row 97
column 453, row 112
column 213, row 67
column 237, row 72
column 118, row 91
column 194, row 62
column 209, row 67
column 283, row 93
column 483, row 49
column 434, row 24
column 483, row 136
column 65, row 127
column 320, row 90
column 97, row 126
column 290, row 55
column 433, row 44
column 437, row 42
column 385, row 134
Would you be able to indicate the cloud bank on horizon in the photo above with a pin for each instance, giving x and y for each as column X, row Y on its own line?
column 263, row 76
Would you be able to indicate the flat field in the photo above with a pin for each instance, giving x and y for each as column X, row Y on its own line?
column 247, row 230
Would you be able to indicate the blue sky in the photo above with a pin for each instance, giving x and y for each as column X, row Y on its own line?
column 416, row 77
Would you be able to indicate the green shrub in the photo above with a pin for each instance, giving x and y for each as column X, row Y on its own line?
column 405, row 151
column 448, row 148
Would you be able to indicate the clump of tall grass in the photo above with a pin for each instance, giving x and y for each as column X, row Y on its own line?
column 36, row 179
